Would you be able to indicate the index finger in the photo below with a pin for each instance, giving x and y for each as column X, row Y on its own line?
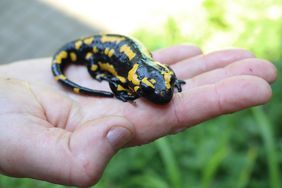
column 176, row 53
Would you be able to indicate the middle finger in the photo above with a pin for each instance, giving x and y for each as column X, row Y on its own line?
column 194, row 66
column 253, row 67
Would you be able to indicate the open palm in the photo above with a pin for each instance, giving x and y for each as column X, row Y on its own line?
column 52, row 134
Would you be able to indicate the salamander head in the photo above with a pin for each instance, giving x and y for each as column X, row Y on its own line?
column 156, row 83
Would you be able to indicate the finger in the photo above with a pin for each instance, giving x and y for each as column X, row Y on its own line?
column 176, row 53
column 203, row 63
column 59, row 156
column 94, row 144
column 255, row 67
column 198, row 105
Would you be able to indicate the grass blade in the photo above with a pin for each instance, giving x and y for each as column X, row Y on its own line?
column 267, row 137
column 148, row 181
column 170, row 163
column 246, row 172
column 212, row 166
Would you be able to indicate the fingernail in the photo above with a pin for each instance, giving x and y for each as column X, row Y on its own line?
column 119, row 136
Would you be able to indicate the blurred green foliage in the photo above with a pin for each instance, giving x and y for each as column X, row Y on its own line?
column 239, row 150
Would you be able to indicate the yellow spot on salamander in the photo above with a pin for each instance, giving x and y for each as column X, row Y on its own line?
column 120, row 88
column 62, row 55
column 161, row 65
column 78, row 44
column 116, row 39
column 107, row 67
column 95, row 49
column 106, row 51
column 167, row 78
column 136, row 88
column 73, row 56
column 167, row 73
column 147, row 82
column 60, row 77
column 109, row 52
column 94, row 67
column 76, row 90
column 88, row 55
column 128, row 52
column 88, row 40
column 122, row 79
column 132, row 76
column 153, row 81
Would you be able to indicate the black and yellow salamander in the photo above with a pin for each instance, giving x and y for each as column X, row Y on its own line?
column 122, row 61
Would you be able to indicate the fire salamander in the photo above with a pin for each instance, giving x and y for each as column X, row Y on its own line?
column 122, row 61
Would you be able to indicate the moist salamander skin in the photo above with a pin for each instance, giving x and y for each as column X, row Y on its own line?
column 122, row 61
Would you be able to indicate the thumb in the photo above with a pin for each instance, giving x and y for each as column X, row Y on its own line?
column 94, row 144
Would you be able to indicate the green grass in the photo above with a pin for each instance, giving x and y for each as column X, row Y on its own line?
column 265, row 127
column 169, row 162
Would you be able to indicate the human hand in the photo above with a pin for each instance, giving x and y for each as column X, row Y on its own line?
column 49, row 133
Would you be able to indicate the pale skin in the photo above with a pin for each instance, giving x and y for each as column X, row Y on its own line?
column 52, row 134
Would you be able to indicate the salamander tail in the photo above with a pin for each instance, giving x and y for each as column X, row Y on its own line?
column 59, row 76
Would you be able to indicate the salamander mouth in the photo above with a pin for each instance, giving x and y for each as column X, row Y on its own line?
column 162, row 100
column 162, row 97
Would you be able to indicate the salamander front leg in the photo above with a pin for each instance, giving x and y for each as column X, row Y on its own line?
column 122, row 93
column 178, row 84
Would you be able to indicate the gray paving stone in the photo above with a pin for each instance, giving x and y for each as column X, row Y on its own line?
column 30, row 29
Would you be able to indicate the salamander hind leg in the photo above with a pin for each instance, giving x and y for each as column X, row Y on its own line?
column 95, row 72
column 122, row 93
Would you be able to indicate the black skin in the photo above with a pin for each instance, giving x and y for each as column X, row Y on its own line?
column 160, row 94
column 147, row 68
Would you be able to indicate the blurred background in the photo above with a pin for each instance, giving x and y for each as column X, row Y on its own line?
column 238, row 150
